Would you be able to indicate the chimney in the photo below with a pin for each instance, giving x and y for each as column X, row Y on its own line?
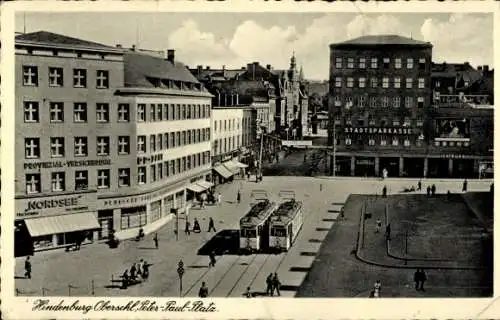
column 207, row 67
column 479, row 68
column 199, row 68
column 486, row 68
column 119, row 46
column 223, row 67
column 171, row 56
column 268, row 67
column 133, row 47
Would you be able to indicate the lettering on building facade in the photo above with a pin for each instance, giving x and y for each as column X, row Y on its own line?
column 373, row 130
column 69, row 164
column 55, row 205
column 151, row 159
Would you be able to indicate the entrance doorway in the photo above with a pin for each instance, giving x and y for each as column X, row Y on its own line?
column 464, row 168
column 365, row 167
column 414, row 167
column 438, row 168
column 391, row 165
column 343, row 167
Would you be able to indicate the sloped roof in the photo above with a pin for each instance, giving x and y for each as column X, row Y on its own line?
column 382, row 40
column 49, row 38
column 456, row 70
column 140, row 66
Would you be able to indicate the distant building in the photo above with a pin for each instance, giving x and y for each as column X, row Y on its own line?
column 394, row 113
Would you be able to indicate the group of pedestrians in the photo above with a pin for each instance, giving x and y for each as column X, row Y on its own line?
column 273, row 284
column 138, row 270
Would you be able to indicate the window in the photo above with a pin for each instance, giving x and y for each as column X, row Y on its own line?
column 395, row 141
column 33, row 183
column 80, row 112
column 383, row 142
column 360, row 122
column 407, row 142
column 141, row 175
column 124, row 177
column 103, row 146
column 421, row 63
column 387, row 61
column 141, row 112
column 385, row 102
column 103, row 181
column 152, row 143
column 338, row 82
column 123, row 145
column 165, row 112
column 397, row 82
column 81, row 146
column 374, row 82
column 385, row 82
column 165, row 141
column 102, row 79
column 362, row 101
column 178, row 112
column 178, row 139
column 30, row 76
column 123, row 112
column 409, row 63
column 348, row 141
column 56, row 112
column 350, row 82
column 183, row 138
column 159, row 112
column 55, row 77
column 337, row 101
column 421, row 83
column 409, row 83
column 362, row 63
column 79, row 78
column 362, row 82
column 183, row 113
column 348, row 121
column 81, row 180
column 408, row 102
column 420, row 102
column 152, row 112
column 395, row 123
column 373, row 102
column 159, row 142
column 406, row 121
column 338, row 63
column 31, row 111
column 32, row 148
column 420, row 122
column 397, row 63
column 57, row 147
column 350, row 63
column 371, row 141
column 102, row 112
column 371, row 121
column 141, row 144
column 152, row 172
column 396, row 102
column 215, row 123
column 57, row 181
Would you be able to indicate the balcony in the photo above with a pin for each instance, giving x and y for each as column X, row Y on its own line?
column 461, row 101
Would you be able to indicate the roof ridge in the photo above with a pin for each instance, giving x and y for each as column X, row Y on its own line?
column 48, row 37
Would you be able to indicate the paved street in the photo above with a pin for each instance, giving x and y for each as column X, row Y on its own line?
column 322, row 198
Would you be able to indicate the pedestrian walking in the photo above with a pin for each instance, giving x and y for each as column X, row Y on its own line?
column 196, row 226
column 416, row 279
column 219, row 198
column 238, row 197
column 212, row 261
column 133, row 271
column 140, row 266
column 155, row 240
column 187, row 231
column 419, row 277
column 125, row 279
column 211, row 225
column 276, row 284
column 248, row 293
column 248, row 174
column 419, row 185
column 202, row 203
column 464, row 187
column 384, row 192
column 27, row 268
column 433, row 189
column 388, row 232
column 377, row 288
column 203, row 293
column 428, row 191
column 378, row 226
column 145, row 271
column 269, row 285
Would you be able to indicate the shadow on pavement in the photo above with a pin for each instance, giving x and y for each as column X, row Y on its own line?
column 300, row 269
column 315, row 241
column 224, row 242
column 289, row 288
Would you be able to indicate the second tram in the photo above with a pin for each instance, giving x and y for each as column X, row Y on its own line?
column 285, row 225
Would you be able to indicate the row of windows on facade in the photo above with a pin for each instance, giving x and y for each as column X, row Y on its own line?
column 32, row 112
column 231, row 124
column 221, row 146
column 350, row 83
column 383, row 141
column 157, row 142
column 56, row 77
column 386, row 63
column 361, row 122
column 156, row 173
column 375, row 102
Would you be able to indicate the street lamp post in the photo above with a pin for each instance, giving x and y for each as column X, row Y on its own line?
column 176, row 212
column 180, row 272
column 260, row 153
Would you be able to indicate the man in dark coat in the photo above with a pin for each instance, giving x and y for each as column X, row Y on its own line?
column 203, row 293
column 464, row 187
column 27, row 268
column 428, row 191
column 276, row 284
column 269, row 285
column 433, row 189
column 388, row 232
column 211, row 225
column 419, row 185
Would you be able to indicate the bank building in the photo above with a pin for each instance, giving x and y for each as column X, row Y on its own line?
column 108, row 140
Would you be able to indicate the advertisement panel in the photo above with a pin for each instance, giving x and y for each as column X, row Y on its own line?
column 55, row 205
column 453, row 128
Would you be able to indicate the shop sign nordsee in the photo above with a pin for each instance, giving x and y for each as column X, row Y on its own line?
column 55, row 205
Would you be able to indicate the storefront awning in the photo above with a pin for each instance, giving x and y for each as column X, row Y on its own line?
column 196, row 188
column 233, row 166
column 223, row 171
column 238, row 164
column 205, row 184
column 62, row 224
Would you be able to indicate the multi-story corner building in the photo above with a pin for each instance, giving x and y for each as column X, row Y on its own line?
column 108, row 140
column 385, row 120
column 233, row 136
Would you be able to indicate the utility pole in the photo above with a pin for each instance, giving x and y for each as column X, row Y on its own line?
column 334, row 149
column 261, row 146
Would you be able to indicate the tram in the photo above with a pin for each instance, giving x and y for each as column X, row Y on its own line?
column 285, row 224
column 254, row 226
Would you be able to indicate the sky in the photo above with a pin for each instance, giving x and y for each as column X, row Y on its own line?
column 235, row 39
